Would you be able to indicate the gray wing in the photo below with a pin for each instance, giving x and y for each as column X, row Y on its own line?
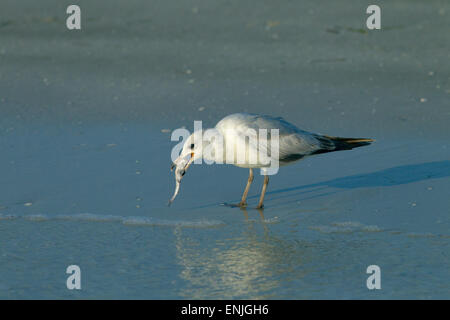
column 294, row 143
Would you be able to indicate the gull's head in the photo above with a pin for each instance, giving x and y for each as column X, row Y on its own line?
column 192, row 150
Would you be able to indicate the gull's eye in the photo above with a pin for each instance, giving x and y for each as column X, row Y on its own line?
column 192, row 146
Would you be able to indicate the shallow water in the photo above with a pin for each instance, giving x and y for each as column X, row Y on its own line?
column 102, row 205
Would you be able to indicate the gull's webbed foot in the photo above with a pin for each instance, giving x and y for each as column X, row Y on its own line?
column 236, row 205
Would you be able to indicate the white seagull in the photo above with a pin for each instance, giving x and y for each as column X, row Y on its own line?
column 293, row 144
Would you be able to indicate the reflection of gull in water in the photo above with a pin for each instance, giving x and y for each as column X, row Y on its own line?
column 293, row 144
column 245, row 262
column 249, row 265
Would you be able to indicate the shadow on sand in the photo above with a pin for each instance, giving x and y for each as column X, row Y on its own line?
column 384, row 178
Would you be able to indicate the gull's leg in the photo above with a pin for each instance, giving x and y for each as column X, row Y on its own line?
column 247, row 188
column 263, row 192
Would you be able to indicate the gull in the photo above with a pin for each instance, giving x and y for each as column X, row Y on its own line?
column 234, row 133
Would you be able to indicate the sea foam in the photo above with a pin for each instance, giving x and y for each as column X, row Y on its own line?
column 132, row 220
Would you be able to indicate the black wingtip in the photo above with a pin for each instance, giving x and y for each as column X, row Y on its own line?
column 330, row 144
